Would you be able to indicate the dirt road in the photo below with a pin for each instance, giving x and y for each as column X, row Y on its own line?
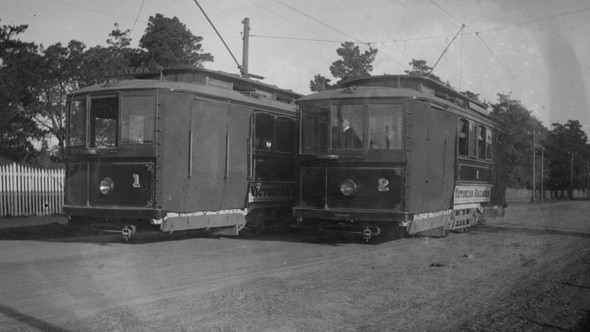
column 528, row 271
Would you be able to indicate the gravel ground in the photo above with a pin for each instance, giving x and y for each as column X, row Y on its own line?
column 528, row 271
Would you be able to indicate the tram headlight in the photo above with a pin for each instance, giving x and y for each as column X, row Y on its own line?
column 106, row 186
column 348, row 187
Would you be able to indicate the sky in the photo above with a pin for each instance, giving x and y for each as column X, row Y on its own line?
column 538, row 51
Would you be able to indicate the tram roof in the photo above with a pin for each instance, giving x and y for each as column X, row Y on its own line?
column 197, row 80
column 405, row 86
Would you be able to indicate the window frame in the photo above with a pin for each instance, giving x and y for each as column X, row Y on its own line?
column 122, row 113
column 275, row 119
column 84, row 139
column 91, row 136
column 397, row 112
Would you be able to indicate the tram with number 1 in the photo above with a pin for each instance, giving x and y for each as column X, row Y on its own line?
column 185, row 148
column 398, row 152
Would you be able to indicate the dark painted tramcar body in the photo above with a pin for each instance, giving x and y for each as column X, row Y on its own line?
column 397, row 150
column 184, row 148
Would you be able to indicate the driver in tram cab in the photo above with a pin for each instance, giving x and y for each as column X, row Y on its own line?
column 350, row 138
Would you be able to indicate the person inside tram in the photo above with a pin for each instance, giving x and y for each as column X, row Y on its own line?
column 350, row 139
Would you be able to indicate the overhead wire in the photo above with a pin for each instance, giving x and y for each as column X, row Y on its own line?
column 136, row 17
column 94, row 10
column 337, row 30
column 536, row 20
column 265, row 8
column 480, row 39
column 321, row 22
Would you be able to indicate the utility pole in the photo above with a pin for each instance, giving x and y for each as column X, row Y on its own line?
column 246, row 50
column 572, row 177
column 534, row 166
column 245, row 46
column 542, row 172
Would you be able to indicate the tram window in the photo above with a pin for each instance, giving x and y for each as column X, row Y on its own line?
column 472, row 146
column 385, row 127
column 77, row 123
column 274, row 170
column 103, row 126
column 137, row 117
column 347, row 127
column 314, row 130
column 463, row 137
column 285, row 135
column 481, row 142
column 489, row 140
column 265, row 129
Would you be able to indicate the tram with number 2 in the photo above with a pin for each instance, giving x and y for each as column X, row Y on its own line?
column 398, row 152
column 186, row 148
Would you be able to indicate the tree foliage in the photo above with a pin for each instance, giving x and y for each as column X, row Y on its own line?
column 18, row 85
column 522, row 129
column 169, row 43
column 353, row 64
column 570, row 156
column 420, row 68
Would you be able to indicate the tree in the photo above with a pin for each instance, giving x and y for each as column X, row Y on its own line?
column 169, row 43
column 320, row 83
column 352, row 65
column 472, row 95
column 419, row 68
column 520, row 125
column 19, row 78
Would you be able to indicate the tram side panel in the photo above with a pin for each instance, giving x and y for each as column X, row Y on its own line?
column 172, row 127
column 203, row 159
column 430, row 146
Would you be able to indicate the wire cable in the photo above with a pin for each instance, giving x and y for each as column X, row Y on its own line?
column 136, row 17
column 322, row 23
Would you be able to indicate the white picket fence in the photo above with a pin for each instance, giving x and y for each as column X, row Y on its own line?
column 26, row 191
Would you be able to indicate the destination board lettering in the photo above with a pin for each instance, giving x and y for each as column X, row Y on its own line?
column 270, row 191
column 472, row 193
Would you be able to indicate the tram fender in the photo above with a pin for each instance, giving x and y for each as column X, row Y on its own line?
column 427, row 221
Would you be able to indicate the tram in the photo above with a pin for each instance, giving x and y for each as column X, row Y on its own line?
column 398, row 152
column 185, row 148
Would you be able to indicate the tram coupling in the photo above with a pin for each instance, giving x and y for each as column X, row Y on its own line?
column 128, row 231
column 367, row 232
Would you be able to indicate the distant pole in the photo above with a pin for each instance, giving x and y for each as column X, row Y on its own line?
column 572, row 171
column 245, row 48
column 542, row 172
column 572, row 177
column 534, row 166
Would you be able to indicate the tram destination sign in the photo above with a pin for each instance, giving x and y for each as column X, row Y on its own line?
column 477, row 193
column 270, row 191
